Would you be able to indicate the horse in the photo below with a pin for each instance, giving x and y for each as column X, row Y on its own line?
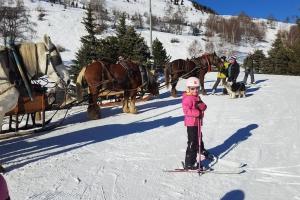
column 100, row 76
column 37, row 60
column 196, row 67
column 8, row 93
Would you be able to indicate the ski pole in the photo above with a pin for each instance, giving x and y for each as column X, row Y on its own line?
column 199, row 143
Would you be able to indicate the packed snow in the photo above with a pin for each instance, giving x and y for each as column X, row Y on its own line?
column 123, row 156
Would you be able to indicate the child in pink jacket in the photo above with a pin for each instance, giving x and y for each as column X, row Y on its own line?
column 193, row 109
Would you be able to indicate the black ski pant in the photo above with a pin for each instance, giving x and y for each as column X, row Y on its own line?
column 217, row 83
column 192, row 145
column 247, row 73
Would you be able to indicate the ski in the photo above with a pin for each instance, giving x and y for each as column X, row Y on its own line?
column 210, row 170
column 231, row 163
column 221, row 161
column 225, row 162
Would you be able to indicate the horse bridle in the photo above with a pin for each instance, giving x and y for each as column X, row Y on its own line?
column 208, row 63
column 48, row 61
column 145, row 83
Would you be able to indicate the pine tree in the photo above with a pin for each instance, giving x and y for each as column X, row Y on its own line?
column 278, row 57
column 131, row 44
column 258, row 58
column 160, row 56
column 294, row 64
column 121, row 27
column 127, row 43
column 88, row 50
column 109, row 48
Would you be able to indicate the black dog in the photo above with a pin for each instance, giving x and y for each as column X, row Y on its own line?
column 235, row 89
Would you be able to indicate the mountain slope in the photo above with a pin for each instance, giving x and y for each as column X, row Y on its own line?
column 65, row 28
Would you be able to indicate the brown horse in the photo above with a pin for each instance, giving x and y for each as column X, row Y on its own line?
column 196, row 67
column 127, row 76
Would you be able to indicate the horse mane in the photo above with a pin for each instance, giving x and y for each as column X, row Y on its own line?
column 107, row 60
column 28, row 54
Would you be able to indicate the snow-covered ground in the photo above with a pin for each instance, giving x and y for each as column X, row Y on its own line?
column 123, row 156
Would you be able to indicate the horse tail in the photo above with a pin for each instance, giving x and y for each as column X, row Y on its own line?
column 79, row 84
column 167, row 74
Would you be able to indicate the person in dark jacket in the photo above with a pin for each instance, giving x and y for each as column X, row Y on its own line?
column 249, row 68
column 233, row 69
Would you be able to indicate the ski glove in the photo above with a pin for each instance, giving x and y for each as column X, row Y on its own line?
column 201, row 106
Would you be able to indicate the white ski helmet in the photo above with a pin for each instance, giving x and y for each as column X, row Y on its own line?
column 232, row 58
column 192, row 82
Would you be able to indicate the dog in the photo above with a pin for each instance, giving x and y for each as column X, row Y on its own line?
column 237, row 89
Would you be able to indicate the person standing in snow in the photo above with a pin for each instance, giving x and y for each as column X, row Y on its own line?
column 4, row 195
column 222, row 74
column 249, row 68
column 193, row 109
column 233, row 69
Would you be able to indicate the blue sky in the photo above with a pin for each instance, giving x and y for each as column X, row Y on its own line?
column 280, row 9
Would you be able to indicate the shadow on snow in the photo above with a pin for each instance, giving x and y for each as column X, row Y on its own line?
column 233, row 141
column 19, row 152
column 81, row 116
column 234, row 195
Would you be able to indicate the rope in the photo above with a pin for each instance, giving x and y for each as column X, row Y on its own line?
column 182, row 76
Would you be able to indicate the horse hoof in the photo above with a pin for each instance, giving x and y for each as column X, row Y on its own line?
column 133, row 111
column 93, row 114
column 126, row 111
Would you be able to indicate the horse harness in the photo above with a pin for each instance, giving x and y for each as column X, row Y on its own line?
column 202, row 65
column 143, row 71
column 17, row 75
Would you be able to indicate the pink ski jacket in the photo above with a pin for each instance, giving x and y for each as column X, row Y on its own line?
column 3, row 189
column 193, row 109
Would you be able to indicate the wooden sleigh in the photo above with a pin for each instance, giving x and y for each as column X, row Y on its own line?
column 29, row 107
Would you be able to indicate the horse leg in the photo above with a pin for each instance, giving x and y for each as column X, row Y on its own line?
column 126, row 102
column 93, row 108
column 202, row 74
column 173, row 91
column 132, row 107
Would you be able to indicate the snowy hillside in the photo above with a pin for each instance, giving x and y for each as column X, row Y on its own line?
column 65, row 28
